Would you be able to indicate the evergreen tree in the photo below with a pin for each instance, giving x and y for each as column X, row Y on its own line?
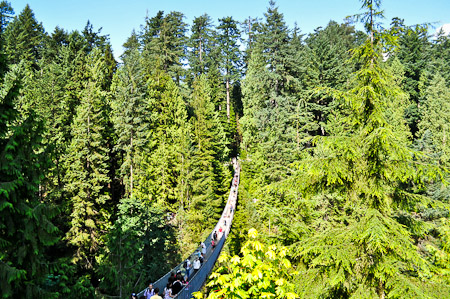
column 435, row 113
column 327, row 56
column 6, row 13
column 26, row 229
column 131, row 44
column 131, row 118
column 24, row 38
column 270, row 98
column 87, row 175
column 205, row 172
column 163, row 44
column 53, row 44
column 250, row 28
column 413, row 54
column 202, row 43
column 94, row 39
column 139, row 245
column 162, row 160
column 360, row 179
column 440, row 54
column 230, row 54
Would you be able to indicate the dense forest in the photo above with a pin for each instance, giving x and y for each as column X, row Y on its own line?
column 112, row 172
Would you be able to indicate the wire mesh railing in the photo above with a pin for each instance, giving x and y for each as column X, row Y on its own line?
column 222, row 228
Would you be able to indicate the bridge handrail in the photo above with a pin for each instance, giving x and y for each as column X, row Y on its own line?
column 211, row 254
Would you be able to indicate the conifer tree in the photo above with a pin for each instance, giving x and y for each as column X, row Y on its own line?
column 327, row 56
column 228, row 37
column 138, row 244
column 131, row 44
column 53, row 44
column 162, row 160
column 131, row 118
column 270, row 98
column 205, row 174
column 202, row 43
column 93, row 39
column 24, row 38
column 6, row 13
column 26, row 229
column 413, row 54
column 440, row 54
column 435, row 113
column 87, row 175
column 359, row 178
column 163, row 41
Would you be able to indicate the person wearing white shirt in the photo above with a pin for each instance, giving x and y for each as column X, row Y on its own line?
column 197, row 265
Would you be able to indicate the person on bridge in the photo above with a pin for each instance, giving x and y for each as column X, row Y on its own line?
column 168, row 291
column 177, row 285
column 215, row 236
column 149, row 292
column 197, row 265
column 172, row 278
column 203, row 249
column 156, row 296
column 187, row 266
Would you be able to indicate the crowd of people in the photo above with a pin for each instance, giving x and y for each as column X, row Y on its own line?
column 187, row 270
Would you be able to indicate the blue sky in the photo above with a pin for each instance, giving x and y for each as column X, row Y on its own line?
column 118, row 18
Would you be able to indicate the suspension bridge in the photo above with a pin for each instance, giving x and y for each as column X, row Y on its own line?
column 222, row 228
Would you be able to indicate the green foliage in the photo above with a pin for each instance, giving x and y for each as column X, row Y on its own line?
column 328, row 66
column 6, row 13
column 413, row 55
column 24, row 38
column 26, row 229
column 261, row 272
column 363, row 250
column 139, row 243
column 435, row 113
column 202, row 42
column 131, row 118
column 331, row 168
column 163, row 39
column 205, row 173
column 87, row 175
column 162, row 162
column 230, row 55
column 270, row 106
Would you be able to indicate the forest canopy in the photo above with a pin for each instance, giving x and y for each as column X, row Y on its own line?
column 113, row 172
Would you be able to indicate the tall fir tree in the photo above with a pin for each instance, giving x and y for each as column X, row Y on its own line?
column 228, row 38
column 202, row 42
column 205, row 173
column 413, row 54
column 270, row 98
column 162, row 160
column 131, row 118
column 359, row 178
column 6, row 13
column 87, row 175
column 24, row 38
column 435, row 111
column 26, row 229
column 163, row 40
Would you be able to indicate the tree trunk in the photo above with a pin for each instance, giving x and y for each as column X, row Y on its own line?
column 200, row 50
column 228, row 99
column 131, row 165
column 380, row 290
